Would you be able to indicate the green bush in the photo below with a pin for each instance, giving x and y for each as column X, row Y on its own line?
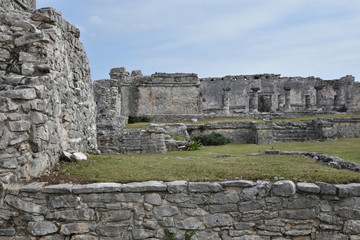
column 193, row 145
column 213, row 139
column 136, row 119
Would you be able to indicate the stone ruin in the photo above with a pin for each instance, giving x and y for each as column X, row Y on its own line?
column 49, row 106
column 46, row 96
column 184, row 97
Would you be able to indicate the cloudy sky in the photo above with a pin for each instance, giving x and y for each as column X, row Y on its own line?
column 214, row 38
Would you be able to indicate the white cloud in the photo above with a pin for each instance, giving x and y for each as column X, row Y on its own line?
column 96, row 20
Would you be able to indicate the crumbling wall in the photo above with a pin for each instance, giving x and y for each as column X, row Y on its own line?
column 241, row 210
column 46, row 95
column 21, row 5
column 170, row 97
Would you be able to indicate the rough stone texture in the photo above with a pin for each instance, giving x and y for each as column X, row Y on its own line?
column 271, row 211
column 46, row 96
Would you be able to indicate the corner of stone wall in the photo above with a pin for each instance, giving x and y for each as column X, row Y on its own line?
column 45, row 93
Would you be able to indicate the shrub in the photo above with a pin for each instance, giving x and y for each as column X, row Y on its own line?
column 213, row 139
column 136, row 119
column 193, row 145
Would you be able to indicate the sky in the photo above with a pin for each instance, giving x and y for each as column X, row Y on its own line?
column 215, row 38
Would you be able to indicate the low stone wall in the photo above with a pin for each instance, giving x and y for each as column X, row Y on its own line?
column 132, row 141
column 238, row 210
column 239, row 131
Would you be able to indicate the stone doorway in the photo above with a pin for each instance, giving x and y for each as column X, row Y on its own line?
column 264, row 103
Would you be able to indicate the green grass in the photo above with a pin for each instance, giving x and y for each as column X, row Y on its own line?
column 307, row 118
column 202, row 166
column 143, row 125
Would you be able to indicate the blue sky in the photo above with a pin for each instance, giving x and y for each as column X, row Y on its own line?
column 214, row 38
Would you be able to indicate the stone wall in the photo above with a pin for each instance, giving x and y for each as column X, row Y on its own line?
column 170, row 97
column 132, row 141
column 21, row 5
column 46, row 95
column 238, row 132
column 238, row 210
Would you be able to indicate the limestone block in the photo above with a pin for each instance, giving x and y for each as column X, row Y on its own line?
column 326, row 188
column 10, row 231
column 31, row 38
column 165, row 211
column 73, row 215
column 191, row 223
column 74, row 228
column 97, row 188
column 64, row 201
column 127, row 197
column 144, row 186
column 19, row 126
column 223, row 208
column 283, row 189
column 249, row 206
column 330, row 235
column 25, row 94
column 142, row 234
column 154, row 199
column 78, row 156
column 176, row 186
column 42, row 228
column 349, row 190
column 204, row 187
column 116, row 216
column 25, row 206
column 302, row 214
column 239, row 183
column 349, row 213
column 225, row 197
column 218, row 220
column 308, row 187
column 110, row 230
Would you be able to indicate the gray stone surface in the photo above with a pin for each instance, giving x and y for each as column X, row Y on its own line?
column 42, row 228
column 283, row 189
column 46, row 89
column 308, row 187
column 232, row 212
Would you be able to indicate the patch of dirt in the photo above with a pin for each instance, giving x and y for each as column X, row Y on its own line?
column 56, row 176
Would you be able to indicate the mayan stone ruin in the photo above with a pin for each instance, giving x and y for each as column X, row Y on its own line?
column 49, row 108
column 46, row 100
column 164, row 97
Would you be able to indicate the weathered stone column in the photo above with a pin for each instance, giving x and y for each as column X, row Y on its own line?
column 287, row 98
column 319, row 97
column 254, row 100
column 226, row 101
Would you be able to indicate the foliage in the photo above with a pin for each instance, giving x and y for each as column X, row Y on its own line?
column 188, row 235
column 177, row 138
column 193, row 145
column 213, row 139
column 169, row 235
column 136, row 119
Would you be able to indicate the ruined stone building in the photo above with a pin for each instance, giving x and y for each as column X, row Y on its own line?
column 170, row 97
column 46, row 97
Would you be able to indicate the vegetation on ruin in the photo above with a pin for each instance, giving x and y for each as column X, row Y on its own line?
column 232, row 163
column 144, row 124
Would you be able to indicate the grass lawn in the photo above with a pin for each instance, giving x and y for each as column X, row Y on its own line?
column 202, row 166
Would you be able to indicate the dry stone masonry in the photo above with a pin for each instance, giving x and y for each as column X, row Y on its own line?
column 182, row 96
column 237, row 210
column 46, row 96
